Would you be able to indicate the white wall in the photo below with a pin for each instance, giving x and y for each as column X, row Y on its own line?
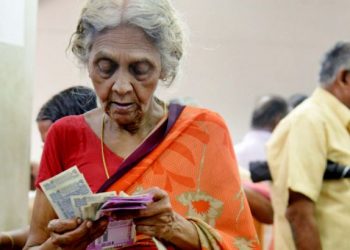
column 16, row 78
column 239, row 49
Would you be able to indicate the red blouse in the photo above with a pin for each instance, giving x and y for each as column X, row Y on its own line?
column 71, row 142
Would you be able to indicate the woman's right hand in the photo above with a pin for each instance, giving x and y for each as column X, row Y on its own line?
column 75, row 233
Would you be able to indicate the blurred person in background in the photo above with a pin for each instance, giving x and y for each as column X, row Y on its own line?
column 295, row 99
column 267, row 113
column 181, row 155
column 309, row 212
column 72, row 101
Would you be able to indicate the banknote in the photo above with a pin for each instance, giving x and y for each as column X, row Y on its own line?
column 135, row 199
column 118, row 234
column 79, row 201
column 93, row 211
column 60, row 188
column 58, row 180
column 71, row 197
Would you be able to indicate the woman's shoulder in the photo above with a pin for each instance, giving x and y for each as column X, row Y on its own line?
column 65, row 130
column 77, row 125
column 70, row 122
column 69, row 126
column 204, row 114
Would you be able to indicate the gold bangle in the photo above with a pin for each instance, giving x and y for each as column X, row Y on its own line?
column 11, row 239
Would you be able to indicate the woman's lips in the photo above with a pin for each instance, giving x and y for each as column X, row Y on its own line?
column 122, row 108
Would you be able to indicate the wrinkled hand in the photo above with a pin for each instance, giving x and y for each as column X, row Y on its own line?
column 159, row 219
column 75, row 233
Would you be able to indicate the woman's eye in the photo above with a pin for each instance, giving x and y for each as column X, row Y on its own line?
column 106, row 66
column 140, row 68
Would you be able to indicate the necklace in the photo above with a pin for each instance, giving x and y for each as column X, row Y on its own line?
column 102, row 150
column 102, row 138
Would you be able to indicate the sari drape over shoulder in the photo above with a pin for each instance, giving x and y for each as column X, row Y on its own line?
column 191, row 157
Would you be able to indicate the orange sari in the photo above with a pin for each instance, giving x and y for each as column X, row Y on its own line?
column 196, row 165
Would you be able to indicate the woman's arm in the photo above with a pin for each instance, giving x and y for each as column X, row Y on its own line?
column 260, row 207
column 42, row 214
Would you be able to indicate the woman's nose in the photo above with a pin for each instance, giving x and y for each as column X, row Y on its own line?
column 122, row 84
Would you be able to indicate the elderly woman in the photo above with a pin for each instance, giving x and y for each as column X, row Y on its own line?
column 136, row 142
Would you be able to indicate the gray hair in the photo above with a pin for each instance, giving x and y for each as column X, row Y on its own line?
column 335, row 59
column 157, row 18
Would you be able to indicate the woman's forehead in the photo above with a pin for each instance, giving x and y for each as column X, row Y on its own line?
column 122, row 39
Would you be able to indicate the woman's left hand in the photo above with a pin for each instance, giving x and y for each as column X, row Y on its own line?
column 161, row 221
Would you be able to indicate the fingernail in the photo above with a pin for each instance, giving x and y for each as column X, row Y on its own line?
column 79, row 220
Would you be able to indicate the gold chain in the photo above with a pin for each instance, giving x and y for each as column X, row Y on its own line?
column 102, row 150
column 102, row 140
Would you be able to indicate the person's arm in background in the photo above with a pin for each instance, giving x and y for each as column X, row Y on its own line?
column 260, row 206
column 298, row 168
column 14, row 239
column 301, row 216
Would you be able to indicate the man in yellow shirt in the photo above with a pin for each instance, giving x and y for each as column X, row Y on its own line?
column 309, row 212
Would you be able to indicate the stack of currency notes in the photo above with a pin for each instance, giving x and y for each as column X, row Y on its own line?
column 110, row 204
column 86, row 206
column 71, row 197
column 60, row 188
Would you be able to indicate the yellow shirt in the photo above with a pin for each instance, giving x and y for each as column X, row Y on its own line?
column 298, row 150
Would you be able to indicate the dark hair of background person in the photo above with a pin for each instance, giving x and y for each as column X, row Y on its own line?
column 268, row 111
column 295, row 99
column 72, row 101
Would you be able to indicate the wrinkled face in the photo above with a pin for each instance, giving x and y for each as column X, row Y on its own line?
column 43, row 127
column 124, row 67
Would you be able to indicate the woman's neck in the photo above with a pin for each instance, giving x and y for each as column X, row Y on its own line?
column 142, row 127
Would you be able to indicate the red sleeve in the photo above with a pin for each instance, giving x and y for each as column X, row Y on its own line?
column 51, row 159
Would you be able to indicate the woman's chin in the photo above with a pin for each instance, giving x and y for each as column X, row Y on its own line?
column 130, row 120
